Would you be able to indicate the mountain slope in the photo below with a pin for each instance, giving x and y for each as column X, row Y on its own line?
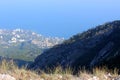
column 95, row 47
column 24, row 44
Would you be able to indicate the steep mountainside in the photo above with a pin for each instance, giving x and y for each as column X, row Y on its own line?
column 24, row 44
column 97, row 46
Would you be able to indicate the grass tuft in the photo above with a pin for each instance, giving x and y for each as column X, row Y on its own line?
column 57, row 73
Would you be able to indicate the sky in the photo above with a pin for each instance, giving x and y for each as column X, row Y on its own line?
column 61, row 18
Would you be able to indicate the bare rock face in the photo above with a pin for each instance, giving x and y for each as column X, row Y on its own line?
column 95, row 47
column 6, row 77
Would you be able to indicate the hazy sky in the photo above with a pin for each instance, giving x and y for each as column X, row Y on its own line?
column 62, row 18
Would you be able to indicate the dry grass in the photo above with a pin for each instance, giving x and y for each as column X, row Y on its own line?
column 56, row 74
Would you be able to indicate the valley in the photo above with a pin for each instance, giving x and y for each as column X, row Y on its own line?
column 24, row 44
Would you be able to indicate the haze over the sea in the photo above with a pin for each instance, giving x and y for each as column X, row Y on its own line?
column 62, row 18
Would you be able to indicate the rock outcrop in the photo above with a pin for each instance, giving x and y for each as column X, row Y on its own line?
column 6, row 77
